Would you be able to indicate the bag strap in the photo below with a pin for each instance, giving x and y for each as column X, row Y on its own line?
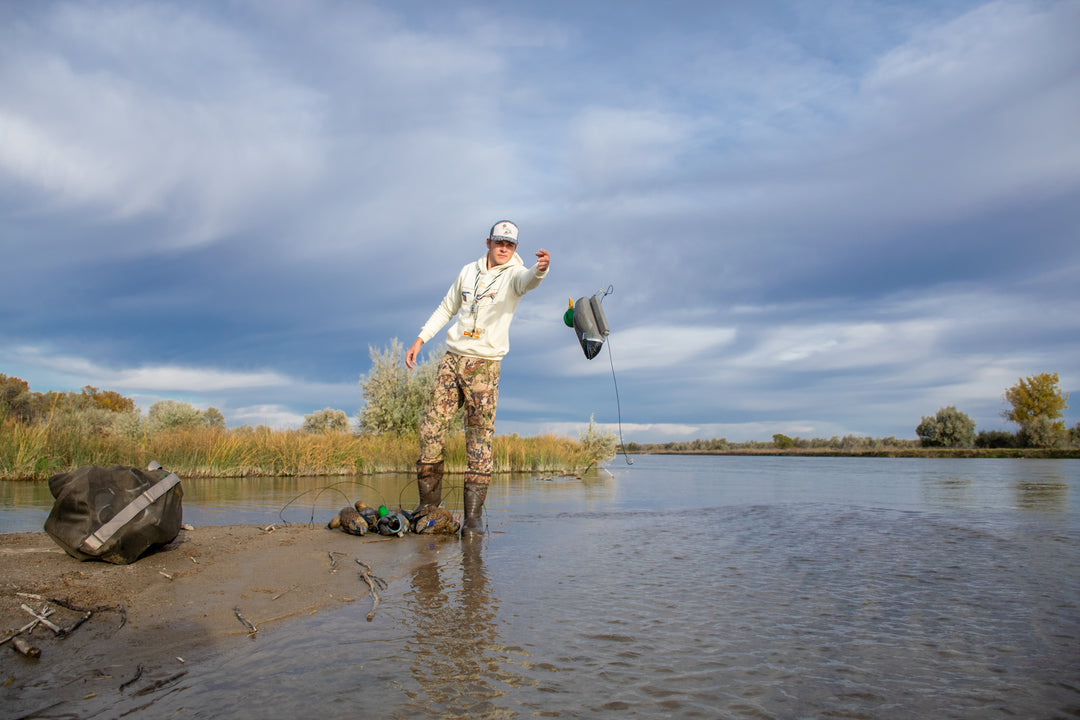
column 104, row 533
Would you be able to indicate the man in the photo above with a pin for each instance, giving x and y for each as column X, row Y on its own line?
column 484, row 298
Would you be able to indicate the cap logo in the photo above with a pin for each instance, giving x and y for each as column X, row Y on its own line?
column 505, row 230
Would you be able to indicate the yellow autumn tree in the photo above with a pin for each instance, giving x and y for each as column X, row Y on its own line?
column 1037, row 403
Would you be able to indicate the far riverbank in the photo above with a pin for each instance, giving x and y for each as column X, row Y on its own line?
column 1033, row 453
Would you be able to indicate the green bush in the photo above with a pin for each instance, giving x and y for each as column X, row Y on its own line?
column 175, row 415
column 326, row 420
column 1043, row 431
column 997, row 439
column 949, row 428
column 783, row 442
column 597, row 445
column 395, row 397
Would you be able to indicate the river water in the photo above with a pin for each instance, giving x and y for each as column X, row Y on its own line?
column 684, row 587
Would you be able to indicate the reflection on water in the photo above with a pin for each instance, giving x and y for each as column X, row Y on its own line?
column 700, row 588
column 456, row 656
column 1042, row 495
column 1041, row 485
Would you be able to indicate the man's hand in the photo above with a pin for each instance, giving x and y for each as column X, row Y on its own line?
column 543, row 259
column 412, row 352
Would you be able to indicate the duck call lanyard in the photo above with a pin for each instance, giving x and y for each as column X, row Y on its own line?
column 477, row 296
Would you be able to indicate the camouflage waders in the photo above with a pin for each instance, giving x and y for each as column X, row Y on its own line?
column 474, row 384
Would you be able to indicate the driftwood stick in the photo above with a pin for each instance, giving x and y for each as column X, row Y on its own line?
column 240, row 616
column 160, row 683
column 73, row 626
column 83, row 609
column 364, row 573
column 70, row 605
column 138, row 674
column 26, row 648
column 28, row 626
column 42, row 618
column 378, row 580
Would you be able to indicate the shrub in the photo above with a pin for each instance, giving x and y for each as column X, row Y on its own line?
column 597, row 445
column 16, row 399
column 214, row 418
column 997, row 439
column 174, row 415
column 1043, row 432
column 326, row 420
column 394, row 396
column 782, row 442
column 949, row 428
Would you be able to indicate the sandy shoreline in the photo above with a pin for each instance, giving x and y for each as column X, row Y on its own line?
column 179, row 604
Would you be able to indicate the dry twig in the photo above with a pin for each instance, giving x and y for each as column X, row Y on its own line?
column 240, row 616
column 138, row 674
column 373, row 583
column 28, row 626
column 42, row 618
column 160, row 683
column 30, row 651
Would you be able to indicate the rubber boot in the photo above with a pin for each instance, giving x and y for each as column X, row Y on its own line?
column 475, row 494
column 429, row 484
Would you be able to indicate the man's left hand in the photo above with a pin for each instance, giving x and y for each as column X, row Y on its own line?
column 543, row 259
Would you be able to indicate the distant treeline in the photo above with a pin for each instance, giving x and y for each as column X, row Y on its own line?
column 1037, row 405
column 988, row 443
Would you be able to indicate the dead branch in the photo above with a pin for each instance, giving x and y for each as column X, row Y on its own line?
column 138, row 674
column 378, row 580
column 86, row 611
column 73, row 626
column 26, row 648
column 71, row 606
column 28, row 626
column 42, row 618
column 160, row 683
column 372, row 582
column 240, row 616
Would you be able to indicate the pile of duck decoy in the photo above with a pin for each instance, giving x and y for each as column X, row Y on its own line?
column 360, row 519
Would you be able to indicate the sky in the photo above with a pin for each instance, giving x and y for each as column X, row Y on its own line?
column 816, row 219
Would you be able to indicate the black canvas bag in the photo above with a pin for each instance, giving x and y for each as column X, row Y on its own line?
column 114, row 514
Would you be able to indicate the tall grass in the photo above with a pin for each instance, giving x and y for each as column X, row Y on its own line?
column 37, row 451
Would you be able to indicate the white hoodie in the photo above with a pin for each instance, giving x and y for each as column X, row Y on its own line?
column 484, row 302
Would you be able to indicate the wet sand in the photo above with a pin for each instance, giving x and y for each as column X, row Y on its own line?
column 178, row 604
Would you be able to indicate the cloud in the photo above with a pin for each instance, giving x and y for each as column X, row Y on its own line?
column 274, row 416
column 613, row 146
column 150, row 378
column 834, row 346
column 96, row 113
column 964, row 116
column 652, row 347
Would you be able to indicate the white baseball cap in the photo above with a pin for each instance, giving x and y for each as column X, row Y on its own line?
column 504, row 230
